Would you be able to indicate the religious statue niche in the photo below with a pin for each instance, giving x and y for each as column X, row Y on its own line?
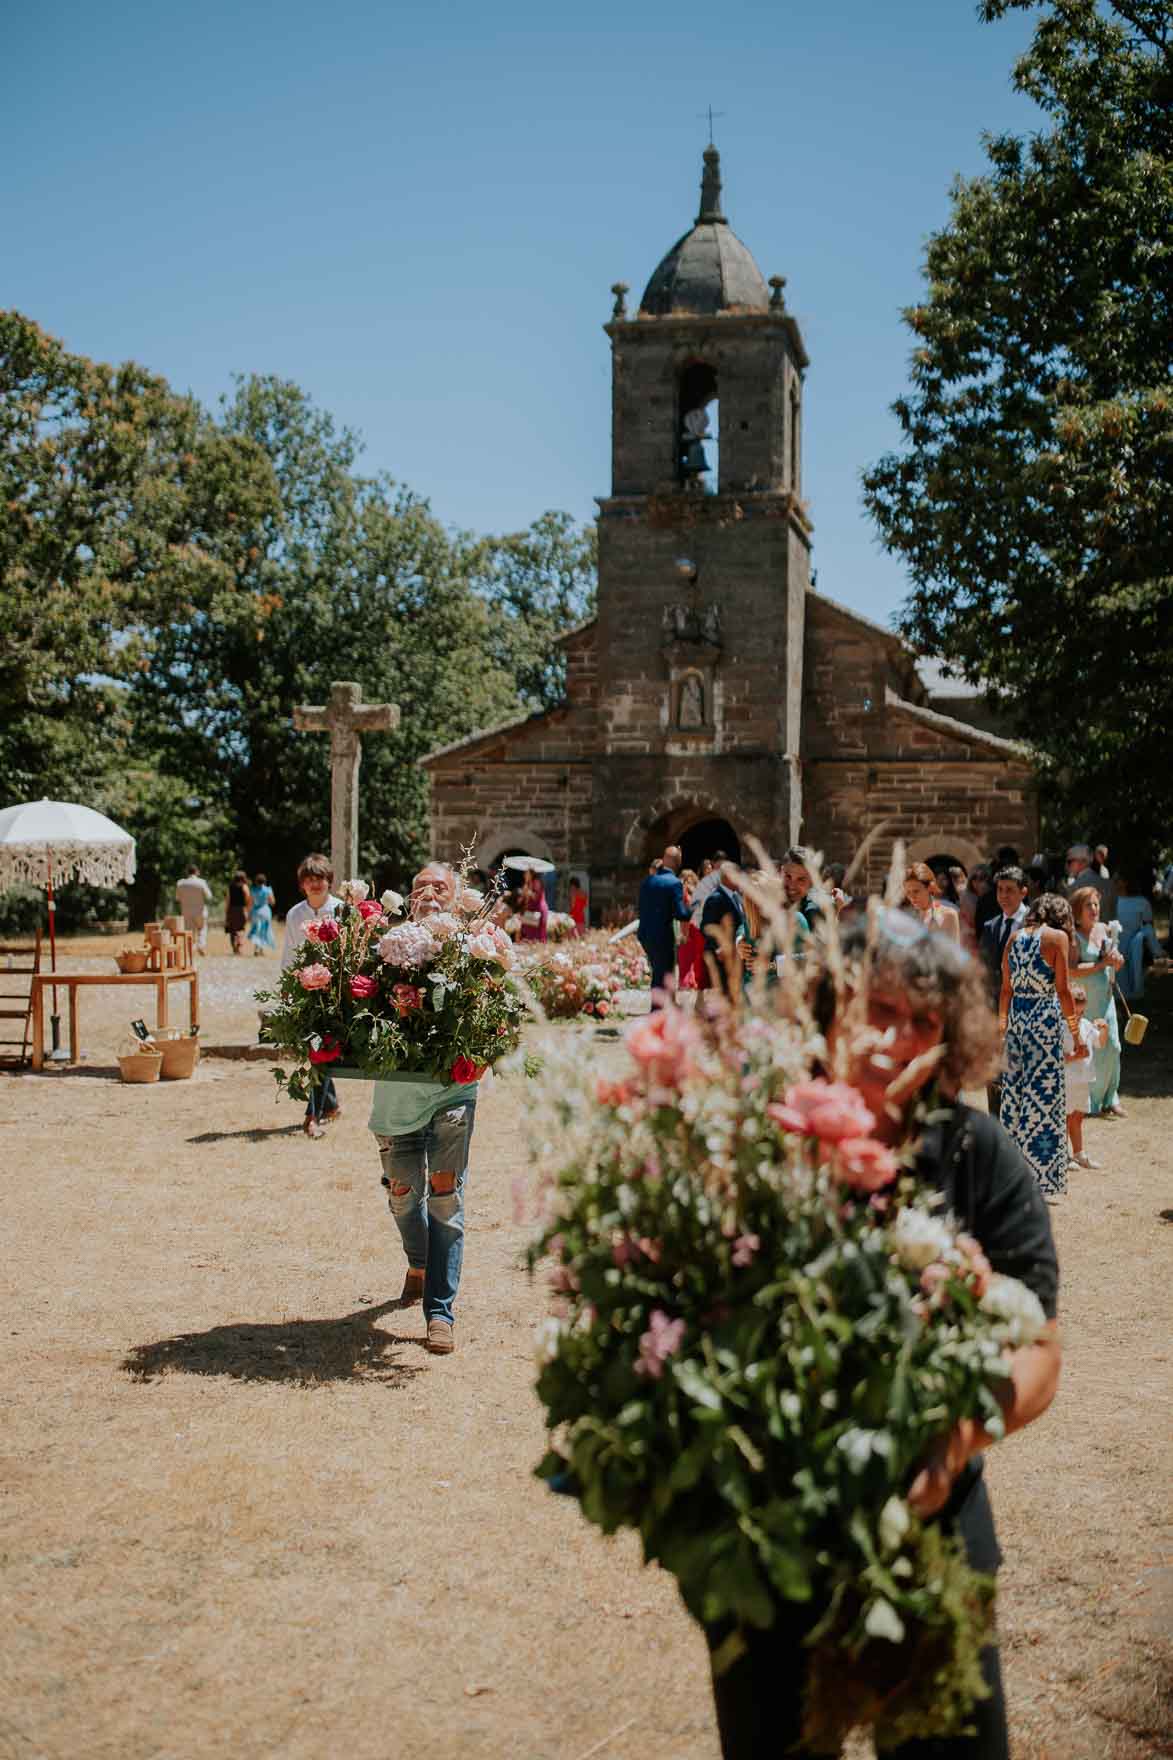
column 690, row 702
column 691, row 644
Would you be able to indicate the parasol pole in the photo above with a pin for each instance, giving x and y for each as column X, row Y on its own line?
column 54, row 1018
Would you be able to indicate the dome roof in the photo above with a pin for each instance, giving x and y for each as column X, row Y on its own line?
column 709, row 270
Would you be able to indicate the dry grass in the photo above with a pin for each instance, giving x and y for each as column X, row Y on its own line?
column 244, row 1513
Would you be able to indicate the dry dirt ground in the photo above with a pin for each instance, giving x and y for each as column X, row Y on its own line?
column 244, row 1513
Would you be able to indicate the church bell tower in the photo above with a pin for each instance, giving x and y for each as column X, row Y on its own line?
column 704, row 556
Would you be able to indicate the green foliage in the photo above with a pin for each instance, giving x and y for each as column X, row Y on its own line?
column 175, row 583
column 1034, row 497
column 539, row 583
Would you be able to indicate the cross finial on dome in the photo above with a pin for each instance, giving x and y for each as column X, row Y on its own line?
column 710, row 213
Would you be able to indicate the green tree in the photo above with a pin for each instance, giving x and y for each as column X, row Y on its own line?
column 342, row 577
column 1033, row 499
column 539, row 583
column 117, row 499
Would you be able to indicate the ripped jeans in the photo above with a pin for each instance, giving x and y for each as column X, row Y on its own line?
column 430, row 1223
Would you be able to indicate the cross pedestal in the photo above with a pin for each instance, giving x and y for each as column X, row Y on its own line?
column 345, row 718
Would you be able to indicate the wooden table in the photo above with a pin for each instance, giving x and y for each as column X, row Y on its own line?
column 73, row 981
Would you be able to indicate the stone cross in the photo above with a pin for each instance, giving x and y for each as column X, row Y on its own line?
column 346, row 718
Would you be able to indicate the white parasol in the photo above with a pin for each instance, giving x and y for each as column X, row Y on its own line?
column 43, row 843
column 528, row 864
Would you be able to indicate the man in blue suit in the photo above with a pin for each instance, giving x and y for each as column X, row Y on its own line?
column 661, row 905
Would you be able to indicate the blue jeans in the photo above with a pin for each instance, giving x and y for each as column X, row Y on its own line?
column 323, row 1099
column 430, row 1223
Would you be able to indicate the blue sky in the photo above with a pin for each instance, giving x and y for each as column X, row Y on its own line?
column 416, row 211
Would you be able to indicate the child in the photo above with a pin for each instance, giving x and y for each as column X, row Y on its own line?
column 1093, row 1036
column 315, row 876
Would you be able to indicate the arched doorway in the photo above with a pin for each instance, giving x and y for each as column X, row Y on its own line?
column 705, row 838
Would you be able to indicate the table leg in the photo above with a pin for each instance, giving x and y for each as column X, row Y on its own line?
column 161, row 1005
column 73, row 1023
column 38, row 1027
column 193, row 1000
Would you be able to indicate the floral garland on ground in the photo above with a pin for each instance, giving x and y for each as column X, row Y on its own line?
column 375, row 992
column 762, row 1321
column 566, row 987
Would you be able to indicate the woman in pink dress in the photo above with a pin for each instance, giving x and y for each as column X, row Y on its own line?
column 534, row 909
column 691, row 971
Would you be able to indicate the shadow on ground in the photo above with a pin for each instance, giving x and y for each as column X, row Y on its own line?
column 1147, row 1068
column 255, row 1134
column 310, row 1353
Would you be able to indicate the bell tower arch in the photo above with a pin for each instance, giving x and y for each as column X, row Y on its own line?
column 704, row 545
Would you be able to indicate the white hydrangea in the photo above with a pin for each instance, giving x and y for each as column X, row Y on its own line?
column 407, row 945
column 918, row 1239
column 547, row 1339
column 1016, row 1307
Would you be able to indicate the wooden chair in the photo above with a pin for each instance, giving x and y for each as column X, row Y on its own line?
column 18, row 967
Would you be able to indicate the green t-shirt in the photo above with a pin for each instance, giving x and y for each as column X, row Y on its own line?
column 398, row 1108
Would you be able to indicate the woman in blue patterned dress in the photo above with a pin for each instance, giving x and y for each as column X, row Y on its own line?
column 1036, row 999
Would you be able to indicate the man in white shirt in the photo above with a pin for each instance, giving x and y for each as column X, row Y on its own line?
column 195, row 895
column 314, row 876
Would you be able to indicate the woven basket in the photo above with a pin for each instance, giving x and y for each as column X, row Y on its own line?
column 181, row 1053
column 131, row 960
column 140, row 1064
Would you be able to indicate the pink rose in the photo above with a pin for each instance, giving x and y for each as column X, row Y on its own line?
column 744, row 1249
column 311, row 933
column 361, row 987
column 602, row 1008
column 832, row 1111
column 369, row 909
column 328, row 930
column 314, row 977
column 406, row 998
column 661, row 1341
column 662, row 1043
column 865, row 1165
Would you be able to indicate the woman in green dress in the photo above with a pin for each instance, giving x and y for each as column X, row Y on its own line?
column 1096, row 966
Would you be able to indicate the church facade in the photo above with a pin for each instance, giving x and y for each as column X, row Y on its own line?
column 716, row 696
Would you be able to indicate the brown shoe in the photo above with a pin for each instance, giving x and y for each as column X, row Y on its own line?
column 312, row 1128
column 440, row 1337
column 413, row 1289
column 329, row 1117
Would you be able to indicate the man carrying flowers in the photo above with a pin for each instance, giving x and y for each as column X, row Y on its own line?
column 424, row 1128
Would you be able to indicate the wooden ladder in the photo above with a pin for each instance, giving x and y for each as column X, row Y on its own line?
column 18, row 967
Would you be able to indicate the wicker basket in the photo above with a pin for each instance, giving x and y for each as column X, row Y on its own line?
column 131, row 959
column 181, row 1053
column 139, row 1062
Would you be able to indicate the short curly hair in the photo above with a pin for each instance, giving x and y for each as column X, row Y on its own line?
column 932, row 971
column 1053, row 911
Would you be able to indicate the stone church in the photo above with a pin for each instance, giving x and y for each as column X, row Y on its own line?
column 716, row 695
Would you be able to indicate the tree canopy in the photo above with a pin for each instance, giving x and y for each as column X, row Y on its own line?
column 175, row 581
column 1033, row 498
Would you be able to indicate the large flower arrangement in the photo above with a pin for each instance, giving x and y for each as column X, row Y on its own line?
column 375, row 992
column 762, row 1321
column 567, row 986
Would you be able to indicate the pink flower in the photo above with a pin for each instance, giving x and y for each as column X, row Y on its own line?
column 465, row 1070
column 865, row 1165
column 314, row 977
column 744, row 1248
column 407, row 945
column 602, row 1008
column 311, row 933
column 361, row 987
column 662, row 1043
column 661, row 1341
column 369, row 909
column 977, row 1268
column 327, row 1050
column 832, row 1111
column 406, row 998
column 934, row 1276
column 328, row 930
